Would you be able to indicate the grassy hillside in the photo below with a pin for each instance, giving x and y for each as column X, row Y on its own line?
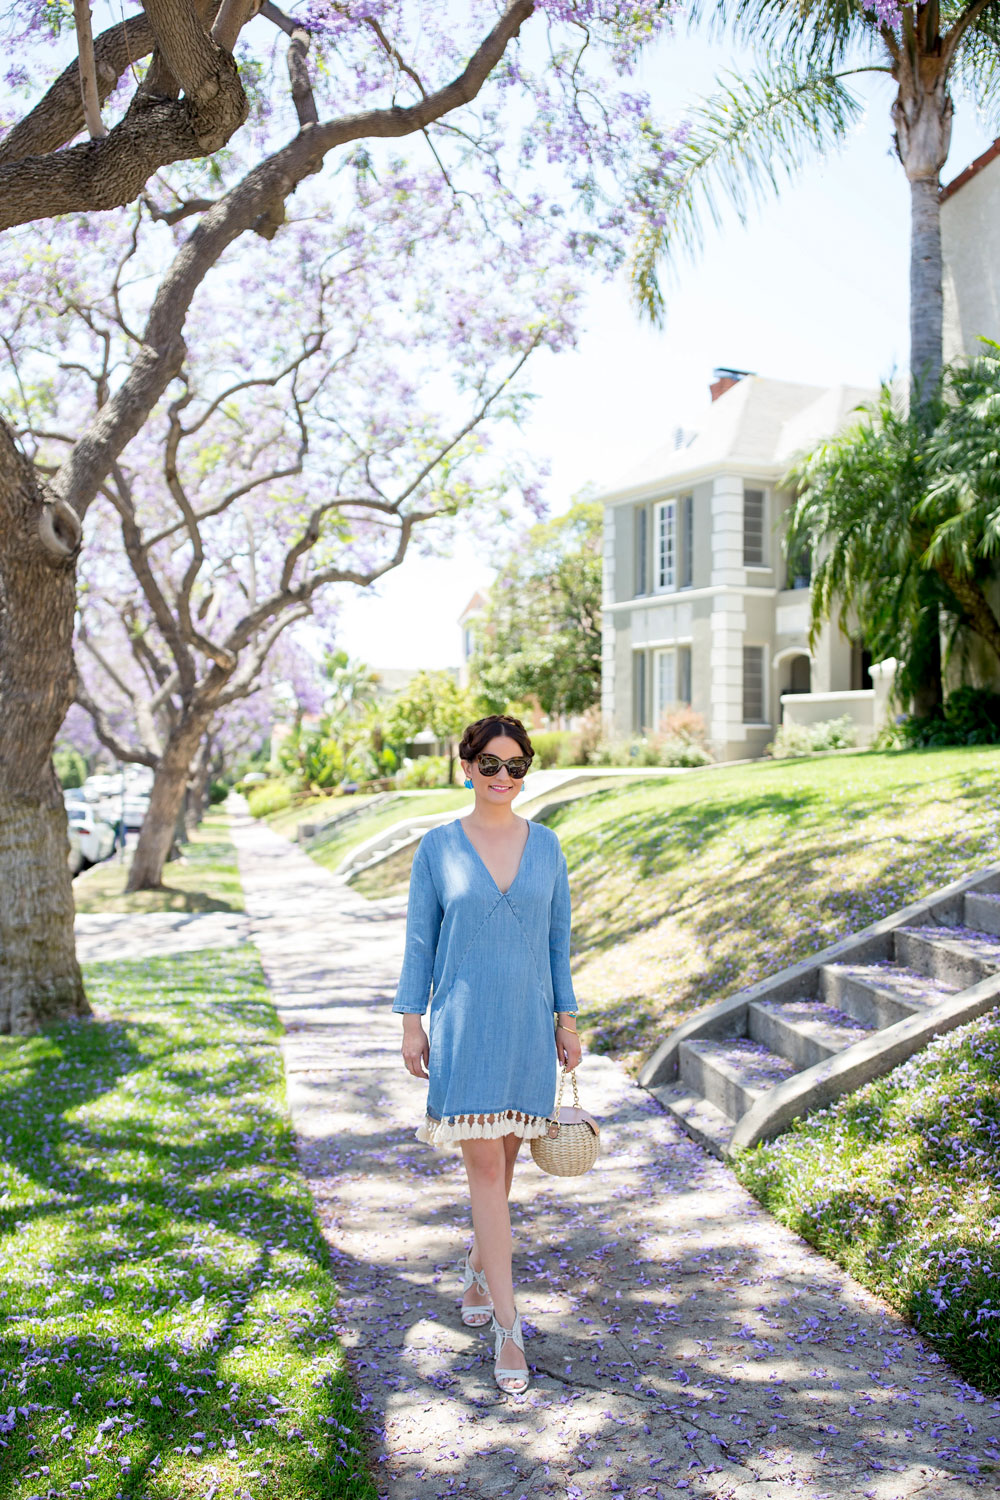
column 687, row 890
column 899, row 1183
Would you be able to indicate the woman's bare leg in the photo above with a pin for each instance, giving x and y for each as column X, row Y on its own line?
column 511, row 1146
column 486, row 1163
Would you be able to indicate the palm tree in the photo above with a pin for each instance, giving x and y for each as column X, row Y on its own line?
column 741, row 142
column 902, row 511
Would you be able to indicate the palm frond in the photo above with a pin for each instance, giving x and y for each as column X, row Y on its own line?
column 735, row 150
column 818, row 32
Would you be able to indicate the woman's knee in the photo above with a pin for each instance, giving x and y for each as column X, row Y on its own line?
column 485, row 1160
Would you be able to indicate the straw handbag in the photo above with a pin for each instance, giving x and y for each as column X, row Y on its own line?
column 573, row 1140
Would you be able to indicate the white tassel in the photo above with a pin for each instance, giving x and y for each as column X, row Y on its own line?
column 481, row 1128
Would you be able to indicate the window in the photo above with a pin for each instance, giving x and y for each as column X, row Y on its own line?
column 753, row 684
column 671, row 680
column 666, row 545
column 641, row 549
column 665, row 684
column 687, row 541
column 639, row 692
column 467, row 642
column 753, row 529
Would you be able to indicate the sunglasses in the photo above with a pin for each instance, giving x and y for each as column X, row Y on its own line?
column 489, row 765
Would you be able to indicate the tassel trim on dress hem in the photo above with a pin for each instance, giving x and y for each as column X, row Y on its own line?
column 482, row 1128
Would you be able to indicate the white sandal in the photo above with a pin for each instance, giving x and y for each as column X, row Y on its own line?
column 480, row 1314
column 511, row 1382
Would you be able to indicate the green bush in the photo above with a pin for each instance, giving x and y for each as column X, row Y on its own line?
column 654, row 750
column 269, row 797
column 425, row 772
column 814, row 739
column 218, row 792
column 971, row 716
column 70, row 767
column 548, row 745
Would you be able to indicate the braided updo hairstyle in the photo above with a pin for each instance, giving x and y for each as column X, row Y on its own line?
column 478, row 735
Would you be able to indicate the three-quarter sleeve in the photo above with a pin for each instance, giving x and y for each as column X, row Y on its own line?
column 559, row 930
column 423, row 924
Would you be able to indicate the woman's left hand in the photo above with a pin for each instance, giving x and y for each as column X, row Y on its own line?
column 568, row 1048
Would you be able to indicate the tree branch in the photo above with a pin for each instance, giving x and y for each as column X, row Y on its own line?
column 106, row 734
column 88, row 70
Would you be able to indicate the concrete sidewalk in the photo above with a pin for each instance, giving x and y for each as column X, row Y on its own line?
column 683, row 1343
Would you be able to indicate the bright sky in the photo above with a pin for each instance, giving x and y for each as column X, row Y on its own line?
column 814, row 290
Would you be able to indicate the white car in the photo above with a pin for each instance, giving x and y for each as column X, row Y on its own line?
column 94, row 838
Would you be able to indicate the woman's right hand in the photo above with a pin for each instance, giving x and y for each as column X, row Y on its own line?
column 416, row 1048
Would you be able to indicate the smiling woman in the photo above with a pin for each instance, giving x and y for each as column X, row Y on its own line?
column 487, row 948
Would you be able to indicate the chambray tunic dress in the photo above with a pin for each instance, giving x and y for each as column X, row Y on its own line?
column 494, row 968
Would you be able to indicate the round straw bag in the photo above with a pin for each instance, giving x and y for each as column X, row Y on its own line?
column 573, row 1140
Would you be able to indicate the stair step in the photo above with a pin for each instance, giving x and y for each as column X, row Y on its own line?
column 982, row 912
column 731, row 1072
column 804, row 1031
column 959, row 956
column 882, row 993
column 702, row 1120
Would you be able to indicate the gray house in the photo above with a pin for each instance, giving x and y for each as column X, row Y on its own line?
column 700, row 606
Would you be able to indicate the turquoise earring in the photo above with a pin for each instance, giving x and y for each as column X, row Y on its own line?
column 468, row 783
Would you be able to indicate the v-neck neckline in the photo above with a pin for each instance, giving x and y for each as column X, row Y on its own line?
column 520, row 863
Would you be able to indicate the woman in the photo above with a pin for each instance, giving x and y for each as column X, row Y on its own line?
column 487, row 930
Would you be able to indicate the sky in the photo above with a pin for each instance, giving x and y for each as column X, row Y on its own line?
column 814, row 290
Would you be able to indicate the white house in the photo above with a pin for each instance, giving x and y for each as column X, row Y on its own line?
column 700, row 606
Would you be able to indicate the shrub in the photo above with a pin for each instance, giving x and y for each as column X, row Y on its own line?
column 548, row 745
column 683, row 752
column 425, row 772
column 218, row 792
column 684, row 724
column 656, row 750
column 269, row 797
column 70, row 767
column 814, row 739
column 971, row 716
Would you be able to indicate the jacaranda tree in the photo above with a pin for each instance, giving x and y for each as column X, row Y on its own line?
column 476, row 105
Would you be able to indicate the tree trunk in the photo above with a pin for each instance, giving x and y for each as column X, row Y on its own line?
column 165, row 804
column 40, row 979
column 922, row 116
column 196, row 799
column 924, row 665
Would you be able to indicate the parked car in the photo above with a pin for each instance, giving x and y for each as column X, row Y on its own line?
column 75, row 852
column 96, row 839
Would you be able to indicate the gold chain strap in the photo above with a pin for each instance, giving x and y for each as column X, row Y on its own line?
column 559, row 1091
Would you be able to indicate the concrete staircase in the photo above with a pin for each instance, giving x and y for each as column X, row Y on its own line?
column 740, row 1071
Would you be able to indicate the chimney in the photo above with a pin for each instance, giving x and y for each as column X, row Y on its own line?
column 723, row 380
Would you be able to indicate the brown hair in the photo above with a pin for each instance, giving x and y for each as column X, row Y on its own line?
column 479, row 734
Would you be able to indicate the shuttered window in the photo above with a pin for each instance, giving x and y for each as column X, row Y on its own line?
column 753, row 528
column 666, row 545
column 753, row 684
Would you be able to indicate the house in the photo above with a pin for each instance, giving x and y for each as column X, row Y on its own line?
column 467, row 622
column 970, row 234
column 700, row 606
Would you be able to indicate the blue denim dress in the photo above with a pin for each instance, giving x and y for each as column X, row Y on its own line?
column 494, row 968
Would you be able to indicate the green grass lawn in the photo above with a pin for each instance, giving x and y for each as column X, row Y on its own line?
column 899, row 1183
column 686, row 890
column 329, row 853
column 166, row 1305
column 313, row 809
column 204, row 879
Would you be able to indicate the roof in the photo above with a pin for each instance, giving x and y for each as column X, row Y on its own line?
column 972, row 170
column 475, row 604
column 757, row 424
